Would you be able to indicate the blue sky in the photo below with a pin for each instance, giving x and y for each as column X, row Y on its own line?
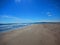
column 24, row 11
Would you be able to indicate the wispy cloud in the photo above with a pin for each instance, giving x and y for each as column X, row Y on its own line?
column 23, row 1
column 16, row 19
column 17, row 1
column 10, row 17
column 49, row 13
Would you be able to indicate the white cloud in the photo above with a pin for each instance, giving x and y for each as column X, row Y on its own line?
column 23, row 1
column 11, row 17
column 16, row 19
column 49, row 13
column 17, row 1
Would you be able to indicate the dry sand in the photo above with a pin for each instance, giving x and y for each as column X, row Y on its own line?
column 38, row 34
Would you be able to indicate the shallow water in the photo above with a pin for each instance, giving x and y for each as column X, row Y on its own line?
column 8, row 27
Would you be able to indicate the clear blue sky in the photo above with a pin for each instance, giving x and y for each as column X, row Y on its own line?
column 29, row 11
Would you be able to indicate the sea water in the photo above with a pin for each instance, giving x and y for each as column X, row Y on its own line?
column 8, row 27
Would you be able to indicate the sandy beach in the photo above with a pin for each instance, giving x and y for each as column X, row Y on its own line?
column 36, row 34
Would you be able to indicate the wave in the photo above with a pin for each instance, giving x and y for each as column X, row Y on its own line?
column 6, row 27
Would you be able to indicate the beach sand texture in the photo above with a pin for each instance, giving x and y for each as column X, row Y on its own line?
column 36, row 34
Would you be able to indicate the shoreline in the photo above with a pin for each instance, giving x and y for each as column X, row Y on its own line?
column 37, row 34
column 14, row 29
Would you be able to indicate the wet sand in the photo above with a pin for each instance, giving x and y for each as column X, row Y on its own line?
column 37, row 34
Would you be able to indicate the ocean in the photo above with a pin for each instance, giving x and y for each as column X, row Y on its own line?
column 13, row 26
column 9, row 27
